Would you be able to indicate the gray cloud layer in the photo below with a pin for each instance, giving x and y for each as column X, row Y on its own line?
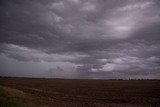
column 80, row 38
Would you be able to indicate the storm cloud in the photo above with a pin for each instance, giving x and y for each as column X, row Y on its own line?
column 94, row 39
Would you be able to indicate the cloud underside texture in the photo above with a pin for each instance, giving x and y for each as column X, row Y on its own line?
column 94, row 39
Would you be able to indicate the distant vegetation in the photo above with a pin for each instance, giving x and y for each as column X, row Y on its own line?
column 32, row 92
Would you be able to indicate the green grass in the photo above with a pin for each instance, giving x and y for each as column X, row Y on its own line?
column 10, row 98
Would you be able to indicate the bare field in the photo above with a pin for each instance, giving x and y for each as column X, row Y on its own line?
column 87, row 93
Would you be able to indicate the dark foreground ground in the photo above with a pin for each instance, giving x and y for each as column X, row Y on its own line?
column 86, row 93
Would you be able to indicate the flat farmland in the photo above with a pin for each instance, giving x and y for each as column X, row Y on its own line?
column 87, row 93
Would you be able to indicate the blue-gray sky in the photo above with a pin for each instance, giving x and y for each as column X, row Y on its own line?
column 94, row 39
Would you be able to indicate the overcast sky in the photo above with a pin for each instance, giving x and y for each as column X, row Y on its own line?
column 91, row 39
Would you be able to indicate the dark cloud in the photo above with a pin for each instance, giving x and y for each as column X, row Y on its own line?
column 81, row 38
